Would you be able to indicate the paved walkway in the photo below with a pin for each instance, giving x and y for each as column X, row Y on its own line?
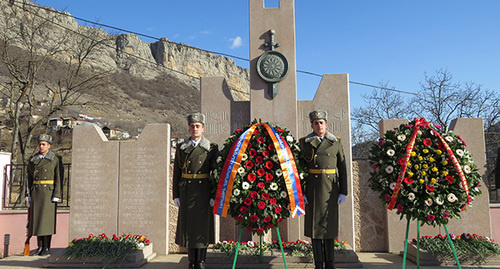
column 177, row 261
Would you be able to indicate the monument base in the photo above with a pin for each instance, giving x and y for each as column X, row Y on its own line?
column 135, row 259
column 428, row 259
column 215, row 259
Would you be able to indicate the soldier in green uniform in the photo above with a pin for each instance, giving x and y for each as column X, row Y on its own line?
column 325, row 187
column 45, row 173
column 192, row 192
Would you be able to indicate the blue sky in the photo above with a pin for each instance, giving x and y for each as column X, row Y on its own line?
column 373, row 41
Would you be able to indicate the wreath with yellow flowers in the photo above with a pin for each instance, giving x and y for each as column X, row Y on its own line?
column 424, row 172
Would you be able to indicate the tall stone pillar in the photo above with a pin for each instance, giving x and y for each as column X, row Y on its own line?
column 272, row 59
column 282, row 109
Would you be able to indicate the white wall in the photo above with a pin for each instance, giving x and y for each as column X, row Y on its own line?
column 4, row 161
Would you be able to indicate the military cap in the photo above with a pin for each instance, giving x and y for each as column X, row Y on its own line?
column 45, row 137
column 196, row 117
column 318, row 114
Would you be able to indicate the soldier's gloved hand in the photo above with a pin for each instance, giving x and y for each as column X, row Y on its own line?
column 342, row 199
column 305, row 199
column 177, row 202
column 212, row 202
column 55, row 199
column 27, row 199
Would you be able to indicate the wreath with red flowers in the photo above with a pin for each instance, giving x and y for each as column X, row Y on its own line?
column 425, row 172
column 259, row 198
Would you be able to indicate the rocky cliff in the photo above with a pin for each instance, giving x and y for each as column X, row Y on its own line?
column 173, row 69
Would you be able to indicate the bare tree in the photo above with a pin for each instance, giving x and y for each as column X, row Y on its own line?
column 382, row 103
column 440, row 100
column 32, row 43
column 445, row 100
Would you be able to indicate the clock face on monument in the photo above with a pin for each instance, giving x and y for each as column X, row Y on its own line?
column 272, row 66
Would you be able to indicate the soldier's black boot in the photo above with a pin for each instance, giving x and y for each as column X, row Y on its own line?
column 46, row 245
column 317, row 245
column 202, row 255
column 329, row 254
column 192, row 257
column 40, row 241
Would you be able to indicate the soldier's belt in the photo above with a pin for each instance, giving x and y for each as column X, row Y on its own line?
column 43, row 181
column 195, row 176
column 323, row 171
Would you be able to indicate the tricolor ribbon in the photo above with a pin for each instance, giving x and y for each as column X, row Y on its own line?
column 231, row 165
column 290, row 172
column 409, row 149
column 233, row 162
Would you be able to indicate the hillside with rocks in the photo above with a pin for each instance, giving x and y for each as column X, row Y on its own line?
column 154, row 82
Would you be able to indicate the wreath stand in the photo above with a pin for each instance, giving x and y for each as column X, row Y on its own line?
column 260, row 247
column 418, row 244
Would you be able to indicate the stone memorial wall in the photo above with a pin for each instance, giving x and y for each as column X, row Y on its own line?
column 121, row 187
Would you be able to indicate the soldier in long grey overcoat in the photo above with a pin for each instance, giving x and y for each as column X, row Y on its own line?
column 325, row 187
column 192, row 192
column 45, row 174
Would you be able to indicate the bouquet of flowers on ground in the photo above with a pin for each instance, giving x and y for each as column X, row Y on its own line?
column 469, row 247
column 109, row 249
column 425, row 172
column 258, row 174
column 294, row 248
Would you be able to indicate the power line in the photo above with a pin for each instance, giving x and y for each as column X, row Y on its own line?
column 88, row 37
column 160, row 39
column 132, row 32
column 208, row 51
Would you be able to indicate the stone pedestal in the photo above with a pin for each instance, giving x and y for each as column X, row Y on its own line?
column 135, row 259
column 427, row 259
column 343, row 259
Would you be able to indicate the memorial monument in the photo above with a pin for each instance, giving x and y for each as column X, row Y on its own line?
column 122, row 186
column 273, row 98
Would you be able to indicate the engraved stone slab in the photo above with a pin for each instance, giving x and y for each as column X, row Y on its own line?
column 94, row 183
column 223, row 116
column 121, row 186
column 143, row 189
